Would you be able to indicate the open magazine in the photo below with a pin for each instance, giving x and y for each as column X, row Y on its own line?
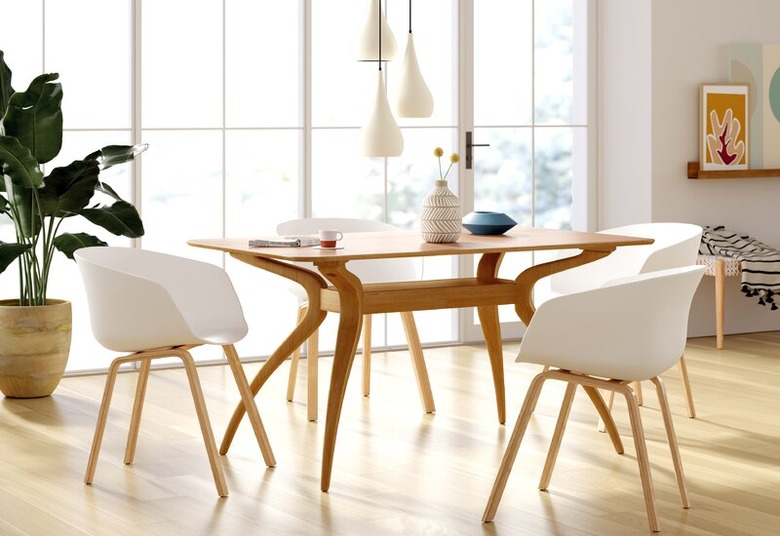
column 284, row 242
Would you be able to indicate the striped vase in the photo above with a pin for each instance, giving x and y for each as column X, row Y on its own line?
column 440, row 219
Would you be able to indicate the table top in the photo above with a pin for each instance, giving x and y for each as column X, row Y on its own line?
column 383, row 245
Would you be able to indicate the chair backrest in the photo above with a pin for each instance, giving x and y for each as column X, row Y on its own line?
column 630, row 329
column 369, row 271
column 142, row 299
column 675, row 244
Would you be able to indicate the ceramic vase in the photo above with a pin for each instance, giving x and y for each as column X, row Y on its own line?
column 440, row 219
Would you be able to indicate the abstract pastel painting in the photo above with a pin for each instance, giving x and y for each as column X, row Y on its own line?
column 758, row 66
column 723, row 138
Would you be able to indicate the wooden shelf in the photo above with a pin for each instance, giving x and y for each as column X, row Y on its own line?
column 695, row 173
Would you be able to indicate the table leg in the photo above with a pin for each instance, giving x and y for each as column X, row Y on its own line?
column 350, row 322
column 314, row 316
column 491, row 331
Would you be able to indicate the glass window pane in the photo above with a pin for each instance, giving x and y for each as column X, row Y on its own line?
column 182, row 194
column 503, row 173
column 345, row 184
column 503, row 50
column 553, row 74
column 261, row 182
column 94, row 59
column 182, row 64
column 340, row 86
column 262, row 64
column 553, row 174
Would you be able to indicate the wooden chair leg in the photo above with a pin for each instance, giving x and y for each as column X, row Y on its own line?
column 205, row 425
column 366, row 355
column 640, row 399
column 138, row 404
column 513, row 446
column 663, row 401
column 641, row 457
column 418, row 362
column 686, row 385
column 100, row 426
column 295, row 358
column 312, row 355
column 601, row 427
column 249, row 404
column 555, row 444
column 312, row 369
column 606, row 417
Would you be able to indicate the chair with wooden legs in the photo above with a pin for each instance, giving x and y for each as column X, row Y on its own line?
column 152, row 305
column 369, row 271
column 675, row 245
column 618, row 334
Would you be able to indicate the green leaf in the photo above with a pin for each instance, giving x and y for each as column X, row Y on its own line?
column 34, row 117
column 67, row 243
column 106, row 189
column 19, row 164
column 10, row 252
column 69, row 189
column 121, row 219
column 5, row 85
column 112, row 155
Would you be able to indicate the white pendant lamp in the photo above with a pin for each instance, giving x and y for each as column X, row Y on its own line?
column 367, row 41
column 413, row 98
column 380, row 136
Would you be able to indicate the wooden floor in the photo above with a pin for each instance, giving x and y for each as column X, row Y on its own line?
column 396, row 470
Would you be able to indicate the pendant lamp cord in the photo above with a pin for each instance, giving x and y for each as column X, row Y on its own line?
column 379, row 19
column 410, row 16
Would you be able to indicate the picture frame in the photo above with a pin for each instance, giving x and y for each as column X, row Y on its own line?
column 723, row 126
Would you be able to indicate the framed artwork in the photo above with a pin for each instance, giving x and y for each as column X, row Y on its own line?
column 723, row 132
column 758, row 66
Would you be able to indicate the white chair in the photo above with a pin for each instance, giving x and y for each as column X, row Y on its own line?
column 369, row 271
column 675, row 245
column 626, row 331
column 154, row 305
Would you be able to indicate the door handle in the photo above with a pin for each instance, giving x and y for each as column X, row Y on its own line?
column 469, row 145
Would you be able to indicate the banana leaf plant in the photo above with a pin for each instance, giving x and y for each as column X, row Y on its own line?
column 37, row 204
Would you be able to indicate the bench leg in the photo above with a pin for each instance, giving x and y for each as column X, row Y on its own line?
column 720, row 290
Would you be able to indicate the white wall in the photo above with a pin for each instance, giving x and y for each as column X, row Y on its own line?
column 654, row 54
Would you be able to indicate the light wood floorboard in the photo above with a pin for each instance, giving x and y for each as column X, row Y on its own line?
column 397, row 470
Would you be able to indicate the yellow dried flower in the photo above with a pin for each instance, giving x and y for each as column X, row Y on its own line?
column 438, row 152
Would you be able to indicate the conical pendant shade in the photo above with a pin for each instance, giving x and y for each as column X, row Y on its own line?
column 367, row 40
column 380, row 136
column 413, row 98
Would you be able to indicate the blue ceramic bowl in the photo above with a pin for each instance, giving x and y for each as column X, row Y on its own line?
column 482, row 222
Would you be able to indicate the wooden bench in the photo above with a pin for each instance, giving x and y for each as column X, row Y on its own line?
column 720, row 268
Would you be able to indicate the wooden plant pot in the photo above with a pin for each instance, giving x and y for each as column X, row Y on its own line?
column 34, row 347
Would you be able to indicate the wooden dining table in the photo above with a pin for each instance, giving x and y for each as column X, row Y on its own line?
column 333, row 288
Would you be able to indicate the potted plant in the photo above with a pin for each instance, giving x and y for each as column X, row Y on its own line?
column 34, row 329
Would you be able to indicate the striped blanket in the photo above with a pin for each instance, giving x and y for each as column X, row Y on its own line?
column 760, row 263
